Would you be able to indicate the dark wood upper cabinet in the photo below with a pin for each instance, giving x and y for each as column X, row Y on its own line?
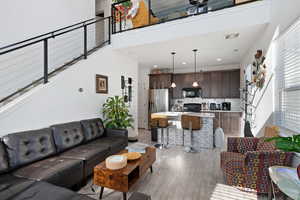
column 214, row 84
column 235, row 81
column 160, row 81
column 205, row 84
column 225, row 84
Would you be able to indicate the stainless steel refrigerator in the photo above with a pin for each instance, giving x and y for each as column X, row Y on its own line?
column 158, row 102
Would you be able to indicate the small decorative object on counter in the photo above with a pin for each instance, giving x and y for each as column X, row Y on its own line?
column 116, row 162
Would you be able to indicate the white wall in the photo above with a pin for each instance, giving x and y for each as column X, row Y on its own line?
column 100, row 6
column 226, row 19
column 60, row 100
column 282, row 15
column 143, row 97
column 25, row 19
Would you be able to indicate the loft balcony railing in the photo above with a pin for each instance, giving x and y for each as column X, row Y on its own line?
column 151, row 12
column 26, row 64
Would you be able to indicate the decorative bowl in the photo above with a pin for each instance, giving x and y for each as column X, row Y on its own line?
column 116, row 162
column 133, row 155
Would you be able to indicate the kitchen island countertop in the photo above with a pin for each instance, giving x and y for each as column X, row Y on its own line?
column 178, row 114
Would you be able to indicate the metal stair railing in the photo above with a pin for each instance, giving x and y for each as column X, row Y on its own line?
column 28, row 63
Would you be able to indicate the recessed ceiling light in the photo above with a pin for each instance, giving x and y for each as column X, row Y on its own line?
column 155, row 66
column 219, row 59
column 184, row 63
column 235, row 50
column 231, row 36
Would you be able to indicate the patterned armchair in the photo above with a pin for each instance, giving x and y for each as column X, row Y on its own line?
column 246, row 162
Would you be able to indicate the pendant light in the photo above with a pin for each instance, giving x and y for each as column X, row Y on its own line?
column 195, row 83
column 173, row 85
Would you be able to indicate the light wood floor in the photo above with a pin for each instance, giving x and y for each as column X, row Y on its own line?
column 181, row 176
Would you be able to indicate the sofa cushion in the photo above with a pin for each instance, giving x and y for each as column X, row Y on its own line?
column 26, row 147
column 56, row 170
column 67, row 135
column 3, row 159
column 91, row 155
column 10, row 186
column 265, row 146
column 92, row 129
column 115, row 143
column 46, row 191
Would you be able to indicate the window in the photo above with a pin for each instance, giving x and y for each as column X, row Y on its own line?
column 288, row 79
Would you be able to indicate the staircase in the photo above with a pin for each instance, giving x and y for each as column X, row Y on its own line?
column 27, row 64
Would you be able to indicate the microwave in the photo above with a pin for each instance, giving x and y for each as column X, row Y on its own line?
column 191, row 92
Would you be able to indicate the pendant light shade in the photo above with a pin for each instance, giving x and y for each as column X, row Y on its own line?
column 195, row 83
column 173, row 85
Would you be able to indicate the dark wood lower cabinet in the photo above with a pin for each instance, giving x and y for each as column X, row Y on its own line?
column 230, row 122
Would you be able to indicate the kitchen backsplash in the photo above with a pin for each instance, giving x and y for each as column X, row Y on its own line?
column 235, row 103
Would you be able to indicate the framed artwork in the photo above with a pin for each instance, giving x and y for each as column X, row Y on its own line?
column 101, row 84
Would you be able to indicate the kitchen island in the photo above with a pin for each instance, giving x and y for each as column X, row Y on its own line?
column 202, row 139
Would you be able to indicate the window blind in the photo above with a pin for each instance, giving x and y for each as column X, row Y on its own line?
column 288, row 78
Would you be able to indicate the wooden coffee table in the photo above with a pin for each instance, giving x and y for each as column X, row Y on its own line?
column 123, row 179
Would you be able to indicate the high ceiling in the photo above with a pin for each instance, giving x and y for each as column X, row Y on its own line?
column 213, row 49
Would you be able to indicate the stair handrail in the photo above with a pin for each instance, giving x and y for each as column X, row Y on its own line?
column 45, row 37
column 51, row 34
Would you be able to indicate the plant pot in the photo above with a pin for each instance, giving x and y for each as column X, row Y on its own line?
column 298, row 170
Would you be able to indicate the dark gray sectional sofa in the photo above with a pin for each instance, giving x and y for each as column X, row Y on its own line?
column 44, row 164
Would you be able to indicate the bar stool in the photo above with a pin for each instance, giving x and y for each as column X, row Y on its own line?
column 161, row 122
column 191, row 123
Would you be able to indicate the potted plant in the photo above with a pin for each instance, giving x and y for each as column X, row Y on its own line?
column 288, row 144
column 116, row 114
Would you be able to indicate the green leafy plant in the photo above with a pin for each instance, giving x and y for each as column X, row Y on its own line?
column 116, row 113
column 288, row 144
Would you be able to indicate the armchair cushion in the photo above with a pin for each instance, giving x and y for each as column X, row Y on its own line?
column 265, row 146
column 241, row 145
column 231, row 156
